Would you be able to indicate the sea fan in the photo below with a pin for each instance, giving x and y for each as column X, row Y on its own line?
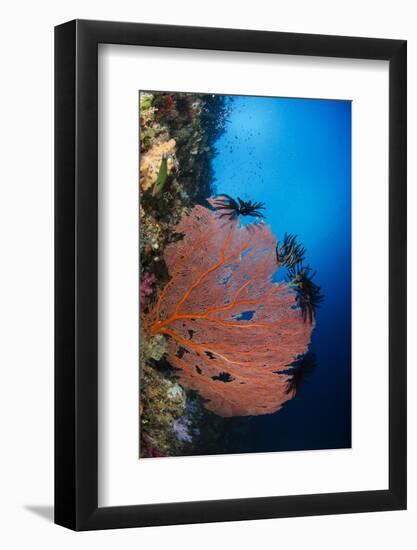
column 229, row 326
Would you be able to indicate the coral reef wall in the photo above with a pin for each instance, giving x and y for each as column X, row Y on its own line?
column 177, row 136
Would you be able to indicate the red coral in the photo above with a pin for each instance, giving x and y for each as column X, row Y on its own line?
column 230, row 327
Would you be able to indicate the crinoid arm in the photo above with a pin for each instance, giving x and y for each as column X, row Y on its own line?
column 225, row 205
column 249, row 208
column 301, row 369
column 290, row 252
column 308, row 293
column 257, row 214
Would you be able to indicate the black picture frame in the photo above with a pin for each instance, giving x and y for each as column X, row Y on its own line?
column 76, row 272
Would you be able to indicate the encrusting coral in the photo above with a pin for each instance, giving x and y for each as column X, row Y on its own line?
column 162, row 402
column 154, row 347
column 231, row 329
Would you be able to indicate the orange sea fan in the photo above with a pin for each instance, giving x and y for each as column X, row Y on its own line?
column 230, row 327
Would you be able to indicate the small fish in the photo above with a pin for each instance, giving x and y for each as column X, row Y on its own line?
column 162, row 176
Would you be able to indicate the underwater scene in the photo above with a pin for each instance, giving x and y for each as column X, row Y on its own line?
column 245, row 274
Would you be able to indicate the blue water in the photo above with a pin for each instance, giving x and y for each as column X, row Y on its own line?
column 294, row 155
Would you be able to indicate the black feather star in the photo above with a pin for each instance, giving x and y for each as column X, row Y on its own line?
column 308, row 293
column 290, row 252
column 301, row 370
column 231, row 208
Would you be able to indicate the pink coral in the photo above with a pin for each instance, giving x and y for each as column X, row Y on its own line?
column 146, row 289
column 230, row 327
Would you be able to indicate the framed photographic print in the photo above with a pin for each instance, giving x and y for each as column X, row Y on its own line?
column 230, row 275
